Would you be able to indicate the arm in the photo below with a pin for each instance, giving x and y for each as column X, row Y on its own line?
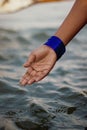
column 75, row 20
column 42, row 60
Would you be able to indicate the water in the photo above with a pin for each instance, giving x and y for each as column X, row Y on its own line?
column 59, row 102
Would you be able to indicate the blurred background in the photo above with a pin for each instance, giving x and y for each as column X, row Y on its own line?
column 58, row 102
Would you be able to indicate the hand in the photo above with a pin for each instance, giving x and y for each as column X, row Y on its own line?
column 39, row 64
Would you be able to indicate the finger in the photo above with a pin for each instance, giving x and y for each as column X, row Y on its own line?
column 39, row 78
column 25, row 79
column 41, row 75
column 30, row 60
column 31, row 81
column 26, row 74
column 32, row 77
column 28, row 78
column 24, row 82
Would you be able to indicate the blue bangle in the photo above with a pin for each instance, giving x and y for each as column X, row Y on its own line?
column 57, row 45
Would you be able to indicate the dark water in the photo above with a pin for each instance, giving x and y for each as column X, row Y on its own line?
column 59, row 102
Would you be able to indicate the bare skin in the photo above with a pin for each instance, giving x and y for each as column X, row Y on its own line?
column 39, row 64
column 41, row 61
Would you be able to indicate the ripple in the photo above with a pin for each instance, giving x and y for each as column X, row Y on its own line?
column 38, row 110
column 5, row 87
column 40, row 36
column 59, row 102
column 4, row 30
column 29, row 125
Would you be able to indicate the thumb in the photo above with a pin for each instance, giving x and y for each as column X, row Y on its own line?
column 30, row 60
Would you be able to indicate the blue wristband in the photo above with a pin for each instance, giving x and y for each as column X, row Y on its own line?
column 57, row 45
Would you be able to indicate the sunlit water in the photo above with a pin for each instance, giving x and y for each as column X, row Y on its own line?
column 59, row 102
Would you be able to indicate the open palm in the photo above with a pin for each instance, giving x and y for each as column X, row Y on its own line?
column 39, row 64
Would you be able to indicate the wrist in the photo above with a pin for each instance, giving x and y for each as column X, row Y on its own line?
column 57, row 45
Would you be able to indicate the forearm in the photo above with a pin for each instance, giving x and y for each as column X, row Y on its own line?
column 76, row 19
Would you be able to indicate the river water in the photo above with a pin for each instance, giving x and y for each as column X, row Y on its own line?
column 58, row 102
